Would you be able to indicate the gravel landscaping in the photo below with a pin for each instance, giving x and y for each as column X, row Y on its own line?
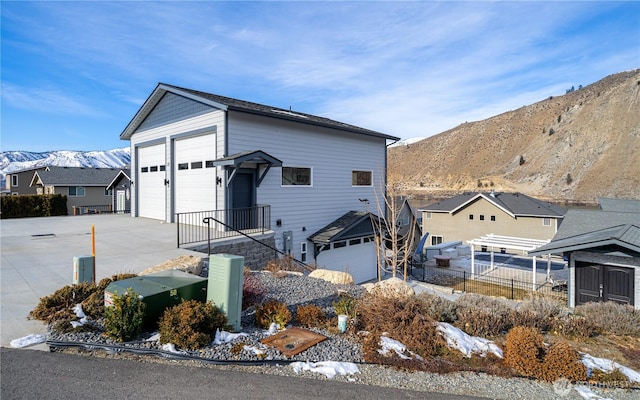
column 296, row 290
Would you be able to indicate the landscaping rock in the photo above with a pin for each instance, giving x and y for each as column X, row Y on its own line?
column 337, row 277
column 187, row 263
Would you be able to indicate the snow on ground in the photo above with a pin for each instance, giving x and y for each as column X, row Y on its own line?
column 458, row 339
column 328, row 368
column 29, row 340
column 607, row 365
column 587, row 394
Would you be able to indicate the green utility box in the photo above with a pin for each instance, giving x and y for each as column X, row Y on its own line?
column 160, row 291
column 83, row 269
column 225, row 286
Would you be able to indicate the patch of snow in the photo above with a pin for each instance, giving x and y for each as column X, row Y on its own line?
column 328, row 368
column 171, row 348
column 226, row 337
column 606, row 365
column 77, row 309
column 28, row 340
column 587, row 394
column 458, row 339
column 154, row 338
column 253, row 349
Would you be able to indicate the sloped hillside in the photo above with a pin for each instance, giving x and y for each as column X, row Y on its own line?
column 576, row 147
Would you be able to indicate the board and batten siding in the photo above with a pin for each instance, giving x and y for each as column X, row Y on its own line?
column 332, row 155
column 213, row 121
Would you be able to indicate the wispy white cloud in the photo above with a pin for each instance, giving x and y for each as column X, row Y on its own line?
column 47, row 100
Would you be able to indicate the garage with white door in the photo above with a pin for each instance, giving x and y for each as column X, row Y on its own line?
column 150, row 183
column 347, row 245
column 194, row 173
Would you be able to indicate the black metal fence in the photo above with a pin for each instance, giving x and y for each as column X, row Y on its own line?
column 465, row 281
column 192, row 227
column 97, row 209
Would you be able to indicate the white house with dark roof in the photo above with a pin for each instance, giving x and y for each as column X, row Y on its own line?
column 475, row 214
column 195, row 151
column 86, row 188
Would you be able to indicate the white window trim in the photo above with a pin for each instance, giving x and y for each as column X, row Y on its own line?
column 297, row 186
column 303, row 251
column 428, row 214
column 84, row 191
column 362, row 170
column 545, row 220
column 436, row 236
column 14, row 177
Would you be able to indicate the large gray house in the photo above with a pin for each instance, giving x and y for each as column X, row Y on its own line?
column 196, row 151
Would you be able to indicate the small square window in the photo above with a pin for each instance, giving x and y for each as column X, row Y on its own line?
column 76, row 191
column 144, row 169
column 182, row 166
column 162, row 168
column 493, row 218
column 208, row 164
column 481, row 217
column 546, row 222
column 153, row 168
column 470, row 217
column 361, row 178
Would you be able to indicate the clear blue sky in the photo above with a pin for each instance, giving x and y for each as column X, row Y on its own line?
column 74, row 73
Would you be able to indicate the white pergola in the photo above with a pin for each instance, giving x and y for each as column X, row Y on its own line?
column 525, row 245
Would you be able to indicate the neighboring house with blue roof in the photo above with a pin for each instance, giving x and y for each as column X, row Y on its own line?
column 86, row 188
column 193, row 151
column 474, row 214
column 603, row 251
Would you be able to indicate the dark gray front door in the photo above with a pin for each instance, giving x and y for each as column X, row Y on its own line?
column 597, row 282
column 243, row 199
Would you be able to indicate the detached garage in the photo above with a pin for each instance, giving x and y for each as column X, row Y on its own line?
column 347, row 245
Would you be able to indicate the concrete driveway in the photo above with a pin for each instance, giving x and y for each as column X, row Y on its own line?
column 37, row 259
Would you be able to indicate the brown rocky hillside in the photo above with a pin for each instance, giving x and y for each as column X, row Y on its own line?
column 576, row 148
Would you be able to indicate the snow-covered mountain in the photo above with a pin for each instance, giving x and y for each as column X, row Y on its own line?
column 11, row 161
column 406, row 142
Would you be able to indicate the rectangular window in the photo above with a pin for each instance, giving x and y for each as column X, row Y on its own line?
column 435, row 240
column 354, row 242
column 481, row 217
column 14, row 180
column 361, row 178
column 428, row 214
column 493, row 218
column 303, row 251
column 76, row 191
column 108, row 192
column 208, row 164
column 153, row 169
column 196, row 165
column 292, row 176
column 546, row 222
column 470, row 217
column 182, row 166
column 338, row 245
column 144, row 169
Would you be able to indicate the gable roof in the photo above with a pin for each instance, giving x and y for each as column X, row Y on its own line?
column 123, row 173
column 230, row 104
column 350, row 225
column 626, row 236
column 619, row 205
column 514, row 204
column 74, row 176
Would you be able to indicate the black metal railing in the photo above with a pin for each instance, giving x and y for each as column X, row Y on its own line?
column 192, row 227
column 97, row 209
column 465, row 281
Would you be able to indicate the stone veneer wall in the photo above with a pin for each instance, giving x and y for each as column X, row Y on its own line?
column 255, row 255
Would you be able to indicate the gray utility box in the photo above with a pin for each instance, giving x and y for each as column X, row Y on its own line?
column 225, row 286
column 83, row 269
column 159, row 291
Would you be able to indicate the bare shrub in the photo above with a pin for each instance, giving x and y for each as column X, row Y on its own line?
column 437, row 308
column 310, row 316
column 272, row 311
column 253, row 292
column 482, row 315
column 575, row 326
column 539, row 312
column 404, row 320
column 612, row 317
column 191, row 324
column 284, row 263
column 524, row 350
column 561, row 361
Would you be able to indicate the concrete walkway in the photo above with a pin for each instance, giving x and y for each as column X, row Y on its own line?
column 37, row 259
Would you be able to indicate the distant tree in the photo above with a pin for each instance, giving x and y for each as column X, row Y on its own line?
column 522, row 161
column 544, row 130
column 579, row 87
column 551, row 131
column 569, row 179
column 559, row 118
column 479, row 183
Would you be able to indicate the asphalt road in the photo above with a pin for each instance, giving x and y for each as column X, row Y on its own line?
column 31, row 374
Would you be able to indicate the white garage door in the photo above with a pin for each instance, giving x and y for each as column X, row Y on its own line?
column 151, row 189
column 195, row 176
column 355, row 257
